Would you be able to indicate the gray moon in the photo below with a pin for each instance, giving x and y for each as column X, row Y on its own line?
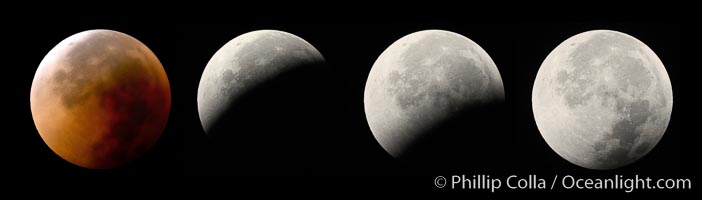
column 602, row 99
column 244, row 63
column 423, row 79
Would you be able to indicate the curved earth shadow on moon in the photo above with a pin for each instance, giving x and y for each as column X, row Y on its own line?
column 470, row 139
column 283, row 126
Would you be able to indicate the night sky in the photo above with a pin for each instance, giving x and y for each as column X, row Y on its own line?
column 339, row 145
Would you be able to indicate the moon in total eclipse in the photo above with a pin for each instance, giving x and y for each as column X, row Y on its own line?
column 100, row 99
column 425, row 79
column 602, row 99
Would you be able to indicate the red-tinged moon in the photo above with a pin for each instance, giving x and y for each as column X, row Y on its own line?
column 100, row 99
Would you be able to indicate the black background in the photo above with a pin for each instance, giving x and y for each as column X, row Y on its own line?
column 345, row 155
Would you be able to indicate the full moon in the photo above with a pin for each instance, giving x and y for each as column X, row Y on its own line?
column 422, row 80
column 602, row 99
column 100, row 99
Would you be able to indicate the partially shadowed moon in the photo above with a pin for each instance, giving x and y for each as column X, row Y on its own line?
column 100, row 99
column 424, row 80
column 602, row 99
column 266, row 101
column 245, row 63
